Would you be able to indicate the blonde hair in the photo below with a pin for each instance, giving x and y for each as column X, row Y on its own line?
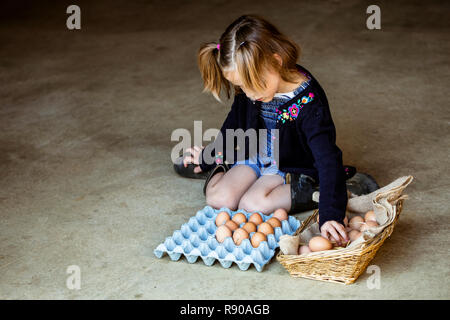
column 248, row 45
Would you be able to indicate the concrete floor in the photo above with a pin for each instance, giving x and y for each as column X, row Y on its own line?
column 86, row 118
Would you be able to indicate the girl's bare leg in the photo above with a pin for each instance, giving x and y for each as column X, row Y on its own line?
column 267, row 194
column 226, row 189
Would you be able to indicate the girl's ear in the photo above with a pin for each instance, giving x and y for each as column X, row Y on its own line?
column 278, row 57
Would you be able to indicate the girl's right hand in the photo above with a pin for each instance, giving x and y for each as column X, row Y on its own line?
column 193, row 158
column 334, row 231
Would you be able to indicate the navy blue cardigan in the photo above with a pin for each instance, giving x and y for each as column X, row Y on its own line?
column 307, row 143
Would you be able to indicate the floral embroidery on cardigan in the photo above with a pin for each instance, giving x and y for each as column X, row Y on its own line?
column 219, row 158
column 293, row 110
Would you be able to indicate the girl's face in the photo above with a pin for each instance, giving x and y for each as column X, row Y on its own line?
column 271, row 77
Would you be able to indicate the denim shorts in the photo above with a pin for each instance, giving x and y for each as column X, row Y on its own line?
column 261, row 169
column 263, row 163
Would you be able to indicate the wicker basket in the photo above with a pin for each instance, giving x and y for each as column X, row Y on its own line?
column 340, row 266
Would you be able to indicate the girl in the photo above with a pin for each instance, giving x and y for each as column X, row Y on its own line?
column 271, row 91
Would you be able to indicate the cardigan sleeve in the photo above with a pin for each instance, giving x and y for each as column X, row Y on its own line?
column 231, row 122
column 318, row 127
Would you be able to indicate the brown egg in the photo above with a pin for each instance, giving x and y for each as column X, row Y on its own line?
column 239, row 235
column 303, row 250
column 231, row 225
column 222, row 232
column 257, row 238
column 239, row 218
column 255, row 218
column 280, row 214
column 370, row 216
column 356, row 222
column 319, row 244
column 368, row 225
column 222, row 217
column 354, row 234
column 265, row 228
column 274, row 222
column 249, row 227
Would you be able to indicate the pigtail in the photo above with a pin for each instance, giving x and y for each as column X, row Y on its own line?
column 208, row 63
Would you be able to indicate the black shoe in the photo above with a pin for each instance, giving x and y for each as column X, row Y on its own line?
column 302, row 189
column 188, row 172
column 362, row 183
column 223, row 167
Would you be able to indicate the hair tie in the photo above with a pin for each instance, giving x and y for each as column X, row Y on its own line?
column 218, row 46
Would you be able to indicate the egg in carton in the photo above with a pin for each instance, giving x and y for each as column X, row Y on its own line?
column 196, row 238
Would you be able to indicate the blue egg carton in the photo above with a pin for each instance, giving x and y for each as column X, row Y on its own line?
column 196, row 238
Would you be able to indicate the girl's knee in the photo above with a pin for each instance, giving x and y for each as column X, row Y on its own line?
column 221, row 197
column 254, row 202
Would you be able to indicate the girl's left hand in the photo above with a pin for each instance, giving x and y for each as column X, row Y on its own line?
column 334, row 231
